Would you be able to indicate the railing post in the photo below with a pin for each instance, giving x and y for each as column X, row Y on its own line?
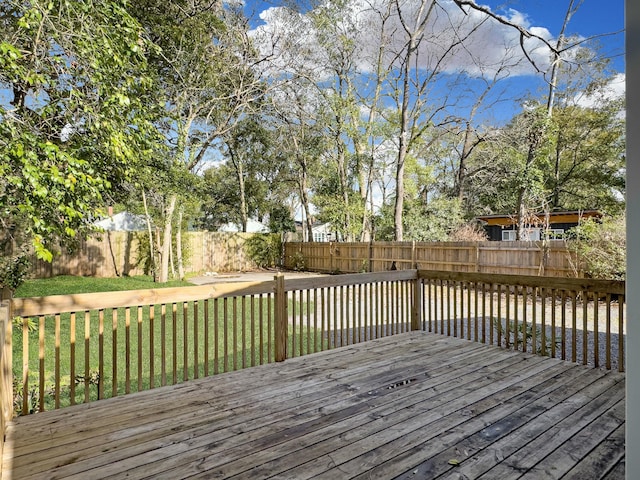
column 6, row 370
column 281, row 323
column 416, row 306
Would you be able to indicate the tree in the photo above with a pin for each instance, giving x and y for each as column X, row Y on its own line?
column 205, row 70
column 600, row 246
column 78, row 117
column 588, row 162
column 245, row 147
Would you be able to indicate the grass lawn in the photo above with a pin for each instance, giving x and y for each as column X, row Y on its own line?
column 67, row 284
column 141, row 348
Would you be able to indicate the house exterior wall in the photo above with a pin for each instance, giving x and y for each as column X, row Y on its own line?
column 494, row 232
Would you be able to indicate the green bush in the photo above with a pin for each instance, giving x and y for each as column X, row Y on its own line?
column 265, row 250
column 13, row 270
column 600, row 246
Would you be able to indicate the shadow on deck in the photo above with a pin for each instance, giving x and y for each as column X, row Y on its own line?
column 414, row 405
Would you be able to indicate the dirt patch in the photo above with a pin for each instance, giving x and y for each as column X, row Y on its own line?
column 258, row 276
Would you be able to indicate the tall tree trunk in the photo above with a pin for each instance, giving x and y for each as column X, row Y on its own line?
column 304, row 199
column 414, row 37
column 152, row 254
column 244, row 214
column 166, row 240
column 344, row 187
column 538, row 136
column 181, row 274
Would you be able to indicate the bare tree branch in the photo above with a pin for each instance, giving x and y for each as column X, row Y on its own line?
column 524, row 33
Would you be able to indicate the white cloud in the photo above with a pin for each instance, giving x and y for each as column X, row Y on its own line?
column 613, row 90
column 454, row 41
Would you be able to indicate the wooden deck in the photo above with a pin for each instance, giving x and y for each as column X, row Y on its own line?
column 414, row 405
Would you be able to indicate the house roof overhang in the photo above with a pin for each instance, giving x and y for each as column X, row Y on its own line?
column 540, row 218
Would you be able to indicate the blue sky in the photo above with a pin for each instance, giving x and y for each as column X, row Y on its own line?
column 543, row 17
column 594, row 17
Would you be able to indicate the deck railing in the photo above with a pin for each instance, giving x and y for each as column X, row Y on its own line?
column 84, row 347
column 576, row 319
column 80, row 348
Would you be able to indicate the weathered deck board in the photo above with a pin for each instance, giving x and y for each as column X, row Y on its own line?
column 405, row 406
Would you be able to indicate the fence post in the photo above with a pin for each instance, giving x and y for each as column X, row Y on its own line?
column 414, row 264
column 416, row 306
column 330, row 257
column 281, row 323
column 6, row 371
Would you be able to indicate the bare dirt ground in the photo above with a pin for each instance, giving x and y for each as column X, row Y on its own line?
column 257, row 276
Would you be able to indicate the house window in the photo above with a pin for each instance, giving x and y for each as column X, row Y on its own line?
column 532, row 234
column 555, row 233
column 529, row 235
column 508, row 235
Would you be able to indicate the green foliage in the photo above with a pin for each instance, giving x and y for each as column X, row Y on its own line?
column 18, row 322
column 588, row 172
column 433, row 222
column 33, row 398
column 13, row 270
column 524, row 334
column 600, row 246
column 265, row 250
column 280, row 220
column 78, row 119
column 298, row 262
column 345, row 216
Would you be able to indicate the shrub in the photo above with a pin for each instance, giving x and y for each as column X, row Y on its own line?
column 600, row 246
column 265, row 250
column 13, row 270
column 468, row 232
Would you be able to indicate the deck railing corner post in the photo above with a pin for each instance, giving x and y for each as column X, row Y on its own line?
column 281, row 323
column 6, row 369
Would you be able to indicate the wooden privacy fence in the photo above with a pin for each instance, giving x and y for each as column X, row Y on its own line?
column 113, row 254
column 552, row 259
column 78, row 348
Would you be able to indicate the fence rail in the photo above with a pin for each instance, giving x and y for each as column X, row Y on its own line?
column 551, row 258
column 79, row 348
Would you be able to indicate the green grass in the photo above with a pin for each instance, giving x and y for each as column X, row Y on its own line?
column 247, row 341
column 67, row 284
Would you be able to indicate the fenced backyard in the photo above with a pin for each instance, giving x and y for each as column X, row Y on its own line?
column 70, row 349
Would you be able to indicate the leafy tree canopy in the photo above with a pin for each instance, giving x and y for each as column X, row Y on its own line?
column 74, row 116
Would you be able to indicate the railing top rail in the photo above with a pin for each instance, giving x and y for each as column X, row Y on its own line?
column 349, row 279
column 36, row 306
column 54, row 304
column 570, row 284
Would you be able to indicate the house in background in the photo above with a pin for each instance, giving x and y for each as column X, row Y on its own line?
column 123, row 222
column 554, row 225
column 253, row 226
column 322, row 232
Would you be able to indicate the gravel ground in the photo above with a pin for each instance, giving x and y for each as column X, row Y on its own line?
column 568, row 343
